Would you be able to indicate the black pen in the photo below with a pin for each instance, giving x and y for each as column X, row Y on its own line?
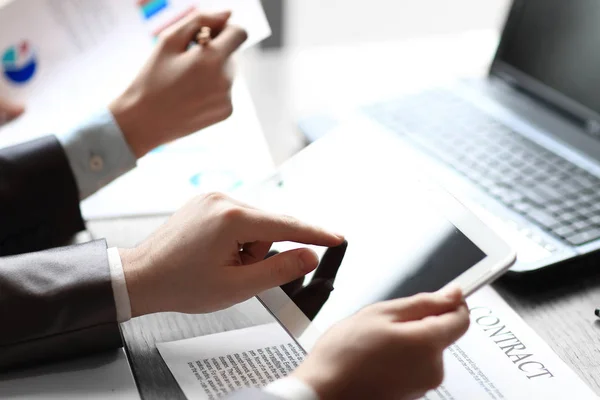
column 597, row 312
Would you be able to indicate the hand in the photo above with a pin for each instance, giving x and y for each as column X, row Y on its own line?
column 180, row 90
column 390, row 350
column 9, row 111
column 210, row 255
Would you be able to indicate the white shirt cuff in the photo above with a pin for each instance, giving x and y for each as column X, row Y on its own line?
column 291, row 388
column 97, row 152
column 119, row 285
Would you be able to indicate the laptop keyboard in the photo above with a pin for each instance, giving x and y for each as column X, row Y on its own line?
column 550, row 191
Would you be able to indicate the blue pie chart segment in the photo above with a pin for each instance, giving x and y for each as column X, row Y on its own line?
column 19, row 63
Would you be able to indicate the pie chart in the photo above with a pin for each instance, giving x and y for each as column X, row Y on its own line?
column 19, row 63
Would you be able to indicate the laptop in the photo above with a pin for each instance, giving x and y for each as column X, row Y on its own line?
column 521, row 147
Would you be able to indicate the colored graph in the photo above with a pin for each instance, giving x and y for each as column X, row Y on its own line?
column 150, row 8
column 19, row 63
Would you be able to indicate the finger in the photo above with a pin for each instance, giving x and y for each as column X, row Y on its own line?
column 181, row 34
column 229, row 40
column 449, row 327
column 268, row 227
column 423, row 305
column 9, row 110
column 275, row 271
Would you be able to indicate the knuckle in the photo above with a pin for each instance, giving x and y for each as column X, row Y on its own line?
column 368, row 310
column 377, row 308
column 232, row 214
column 215, row 196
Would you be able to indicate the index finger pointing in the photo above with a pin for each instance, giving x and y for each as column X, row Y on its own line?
column 268, row 227
column 229, row 40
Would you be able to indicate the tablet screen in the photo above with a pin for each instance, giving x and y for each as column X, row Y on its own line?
column 434, row 260
column 399, row 243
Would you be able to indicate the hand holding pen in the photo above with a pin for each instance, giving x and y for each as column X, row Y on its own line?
column 181, row 89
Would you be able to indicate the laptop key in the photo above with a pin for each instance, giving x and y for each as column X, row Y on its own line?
column 563, row 231
column 580, row 225
column 543, row 218
column 533, row 196
column 584, row 237
column 568, row 216
column 522, row 207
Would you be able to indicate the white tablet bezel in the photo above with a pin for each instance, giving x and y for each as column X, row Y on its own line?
column 499, row 258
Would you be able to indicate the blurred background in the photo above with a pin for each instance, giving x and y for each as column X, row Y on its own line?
column 305, row 26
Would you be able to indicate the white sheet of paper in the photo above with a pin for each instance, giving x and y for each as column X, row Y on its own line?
column 500, row 357
column 209, row 367
column 101, row 376
column 86, row 53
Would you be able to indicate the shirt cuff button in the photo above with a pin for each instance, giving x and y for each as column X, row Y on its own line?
column 96, row 163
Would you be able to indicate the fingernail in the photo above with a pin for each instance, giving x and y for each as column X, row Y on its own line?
column 308, row 260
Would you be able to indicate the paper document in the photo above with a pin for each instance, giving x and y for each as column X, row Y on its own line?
column 68, row 59
column 209, row 367
column 500, row 357
column 101, row 376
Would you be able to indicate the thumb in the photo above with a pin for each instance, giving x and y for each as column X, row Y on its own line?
column 277, row 270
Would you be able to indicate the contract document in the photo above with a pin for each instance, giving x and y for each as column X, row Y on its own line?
column 499, row 357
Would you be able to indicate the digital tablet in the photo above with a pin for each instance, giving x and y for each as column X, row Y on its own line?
column 405, row 233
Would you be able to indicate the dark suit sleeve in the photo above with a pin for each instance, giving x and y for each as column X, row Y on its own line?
column 56, row 304
column 39, row 198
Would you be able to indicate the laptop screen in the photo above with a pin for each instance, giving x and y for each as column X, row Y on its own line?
column 552, row 48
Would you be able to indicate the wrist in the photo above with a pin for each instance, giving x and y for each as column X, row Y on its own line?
column 126, row 110
column 134, row 265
